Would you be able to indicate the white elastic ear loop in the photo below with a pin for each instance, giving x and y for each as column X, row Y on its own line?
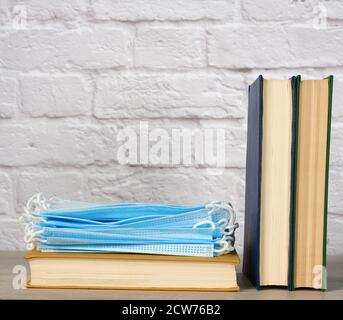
column 30, row 246
column 231, row 224
column 229, row 230
column 223, row 247
column 206, row 222
column 222, row 223
column 228, row 223
column 32, row 236
column 30, row 216
column 211, row 206
column 232, row 214
column 221, row 205
column 36, row 203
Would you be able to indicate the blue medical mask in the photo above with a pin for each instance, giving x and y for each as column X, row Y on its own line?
column 68, row 225
column 199, row 250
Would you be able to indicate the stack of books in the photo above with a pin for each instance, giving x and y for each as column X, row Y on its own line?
column 287, row 182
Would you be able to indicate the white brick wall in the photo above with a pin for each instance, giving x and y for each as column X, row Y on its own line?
column 74, row 73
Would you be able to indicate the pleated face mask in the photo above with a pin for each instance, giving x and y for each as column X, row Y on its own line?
column 58, row 225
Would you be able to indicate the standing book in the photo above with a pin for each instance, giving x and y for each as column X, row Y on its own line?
column 288, row 149
column 311, row 196
column 269, row 181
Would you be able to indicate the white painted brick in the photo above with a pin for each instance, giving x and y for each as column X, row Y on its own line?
column 184, row 95
column 11, row 235
column 170, row 47
column 271, row 10
column 274, row 46
column 6, row 196
column 46, row 10
column 247, row 46
column 63, row 184
column 50, row 144
column 173, row 186
column 335, row 239
column 137, row 10
column 8, row 97
column 334, row 9
column 4, row 16
column 303, row 12
column 335, row 202
column 336, row 145
column 53, row 49
column 55, row 96
column 337, row 101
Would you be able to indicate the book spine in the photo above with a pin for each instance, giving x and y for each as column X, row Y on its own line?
column 296, row 89
column 330, row 78
column 251, row 259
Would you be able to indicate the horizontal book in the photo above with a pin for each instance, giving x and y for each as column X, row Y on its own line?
column 132, row 271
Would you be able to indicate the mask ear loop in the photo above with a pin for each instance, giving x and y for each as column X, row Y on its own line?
column 31, row 237
column 33, row 207
column 224, row 246
column 228, row 226
column 206, row 222
column 31, row 217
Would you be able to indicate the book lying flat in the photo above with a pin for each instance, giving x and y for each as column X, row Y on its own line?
column 132, row 271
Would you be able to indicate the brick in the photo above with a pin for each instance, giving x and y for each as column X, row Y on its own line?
column 67, row 185
column 3, row 15
column 55, row 96
column 336, row 145
column 170, row 47
column 247, row 47
column 334, row 9
column 274, row 46
column 51, row 144
column 269, row 10
column 138, row 10
column 337, row 103
column 145, row 95
column 335, row 240
column 11, row 235
column 6, row 196
column 8, row 97
column 52, row 49
column 306, row 12
column 335, row 202
column 42, row 10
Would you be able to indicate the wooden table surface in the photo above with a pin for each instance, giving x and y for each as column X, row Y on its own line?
column 8, row 260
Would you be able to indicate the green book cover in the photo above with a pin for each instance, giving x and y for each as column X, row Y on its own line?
column 330, row 78
column 296, row 90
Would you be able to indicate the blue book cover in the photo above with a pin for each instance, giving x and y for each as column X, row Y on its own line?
column 251, row 255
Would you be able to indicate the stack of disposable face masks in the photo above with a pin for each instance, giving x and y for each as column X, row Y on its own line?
column 57, row 225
